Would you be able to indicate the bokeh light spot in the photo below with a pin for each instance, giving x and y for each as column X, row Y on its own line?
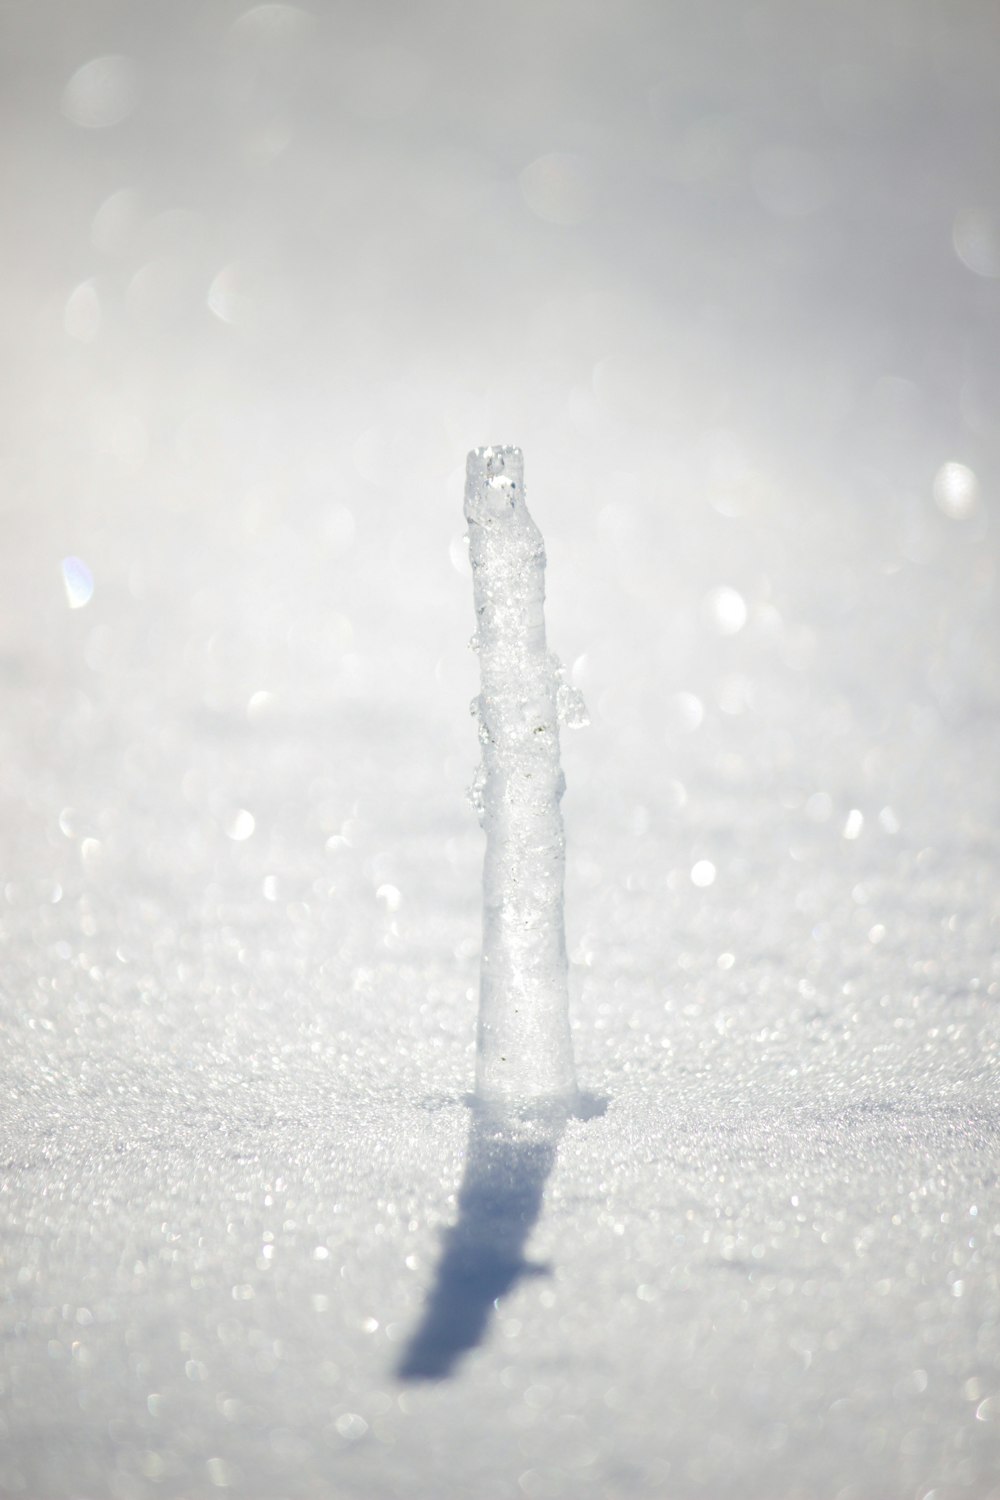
column 78, row 581
column 956, row 491
column 854, row 823
column 241, row 826
column 686, row 711
column 82, row 317
column 976, row 238
column 115, row 221
column 558, row 188
column 725, row 610
column 101, row 93
column 224, row 297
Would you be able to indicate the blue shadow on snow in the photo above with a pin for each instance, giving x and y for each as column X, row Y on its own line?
column 510, row 1155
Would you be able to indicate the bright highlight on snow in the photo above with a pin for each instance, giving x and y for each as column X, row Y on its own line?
column 524, row 1049
column 78, row 581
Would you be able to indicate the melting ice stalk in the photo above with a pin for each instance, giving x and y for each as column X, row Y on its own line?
column 524, row 1050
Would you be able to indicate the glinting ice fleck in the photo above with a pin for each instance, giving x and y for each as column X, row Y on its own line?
column 524, row 1048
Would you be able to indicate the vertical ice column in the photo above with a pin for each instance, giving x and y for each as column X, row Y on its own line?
column 524, row 1049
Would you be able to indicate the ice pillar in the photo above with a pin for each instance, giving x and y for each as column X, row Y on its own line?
column 524, row 1049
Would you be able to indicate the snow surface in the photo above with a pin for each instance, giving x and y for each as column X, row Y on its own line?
column 729, row 275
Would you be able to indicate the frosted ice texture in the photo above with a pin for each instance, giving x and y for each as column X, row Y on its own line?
column 524, row 1048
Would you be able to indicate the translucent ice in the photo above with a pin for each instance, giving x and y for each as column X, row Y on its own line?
column 524, row 1048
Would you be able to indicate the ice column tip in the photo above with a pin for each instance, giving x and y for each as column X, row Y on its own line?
column 494, row 480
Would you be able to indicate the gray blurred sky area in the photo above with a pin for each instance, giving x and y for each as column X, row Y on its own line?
column 741, row 194
column 729, row 274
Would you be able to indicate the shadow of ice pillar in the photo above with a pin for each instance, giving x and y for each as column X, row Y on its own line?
column 524, row 1049
column 508, row 1162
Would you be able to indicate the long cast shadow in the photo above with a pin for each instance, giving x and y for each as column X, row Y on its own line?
column 509, row 1158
